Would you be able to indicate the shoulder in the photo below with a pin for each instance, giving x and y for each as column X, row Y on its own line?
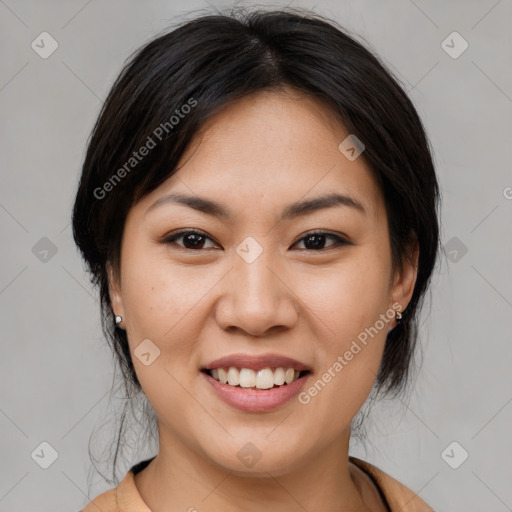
column 106, row 502
column 399, row 497
column 123, row 498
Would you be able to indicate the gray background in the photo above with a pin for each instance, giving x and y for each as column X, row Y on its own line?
column 56, row 371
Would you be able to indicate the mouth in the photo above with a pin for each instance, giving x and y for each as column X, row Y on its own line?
column 263, row 379
column 259, row 372
column 260, row 389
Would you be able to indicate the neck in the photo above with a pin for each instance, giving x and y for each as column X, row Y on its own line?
column 182, row 479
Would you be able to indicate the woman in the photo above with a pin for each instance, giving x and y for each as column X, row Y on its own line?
column 258, row 206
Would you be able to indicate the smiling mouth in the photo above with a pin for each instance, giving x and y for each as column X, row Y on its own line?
column 267, row 378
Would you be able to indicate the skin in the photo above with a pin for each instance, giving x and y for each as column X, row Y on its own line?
column 256, row 157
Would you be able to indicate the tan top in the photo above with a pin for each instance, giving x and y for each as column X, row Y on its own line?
column 126, row 498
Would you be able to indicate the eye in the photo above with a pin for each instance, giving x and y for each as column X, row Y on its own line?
column 316, row 240
column 193, row 239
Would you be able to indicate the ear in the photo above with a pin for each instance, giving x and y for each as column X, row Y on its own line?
column 114, row 289
column 404, row 282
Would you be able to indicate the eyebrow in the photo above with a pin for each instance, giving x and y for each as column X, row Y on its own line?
column 300, row 208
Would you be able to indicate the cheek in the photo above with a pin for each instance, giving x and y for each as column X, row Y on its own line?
column 349, row 303
column 159, row 302
column 156, row 295
column 350, row 343
column 163, row 302
column 350, row 295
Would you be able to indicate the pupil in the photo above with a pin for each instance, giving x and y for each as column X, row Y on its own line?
column 317, row 244
column 195, row 237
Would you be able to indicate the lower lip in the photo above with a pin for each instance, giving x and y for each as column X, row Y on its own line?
column 256, row 400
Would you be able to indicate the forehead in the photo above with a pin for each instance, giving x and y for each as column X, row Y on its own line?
column 271, row 149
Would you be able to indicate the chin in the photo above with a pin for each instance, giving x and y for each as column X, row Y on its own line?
column 256, row 458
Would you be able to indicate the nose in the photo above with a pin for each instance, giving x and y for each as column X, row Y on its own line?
column 257, row 298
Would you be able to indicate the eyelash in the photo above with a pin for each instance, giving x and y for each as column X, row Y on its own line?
column 180, row 234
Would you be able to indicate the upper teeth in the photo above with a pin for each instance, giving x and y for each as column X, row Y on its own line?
column 262, row 379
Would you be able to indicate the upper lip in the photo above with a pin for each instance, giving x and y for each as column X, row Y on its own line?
column 257, row 362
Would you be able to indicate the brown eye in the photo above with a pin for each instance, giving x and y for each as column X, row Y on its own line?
column 191, row 239
column 315, row 240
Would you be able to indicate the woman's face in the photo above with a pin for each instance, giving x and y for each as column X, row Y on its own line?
column 254, row 283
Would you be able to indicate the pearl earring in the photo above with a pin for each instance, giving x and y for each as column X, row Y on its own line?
column 118, row 319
